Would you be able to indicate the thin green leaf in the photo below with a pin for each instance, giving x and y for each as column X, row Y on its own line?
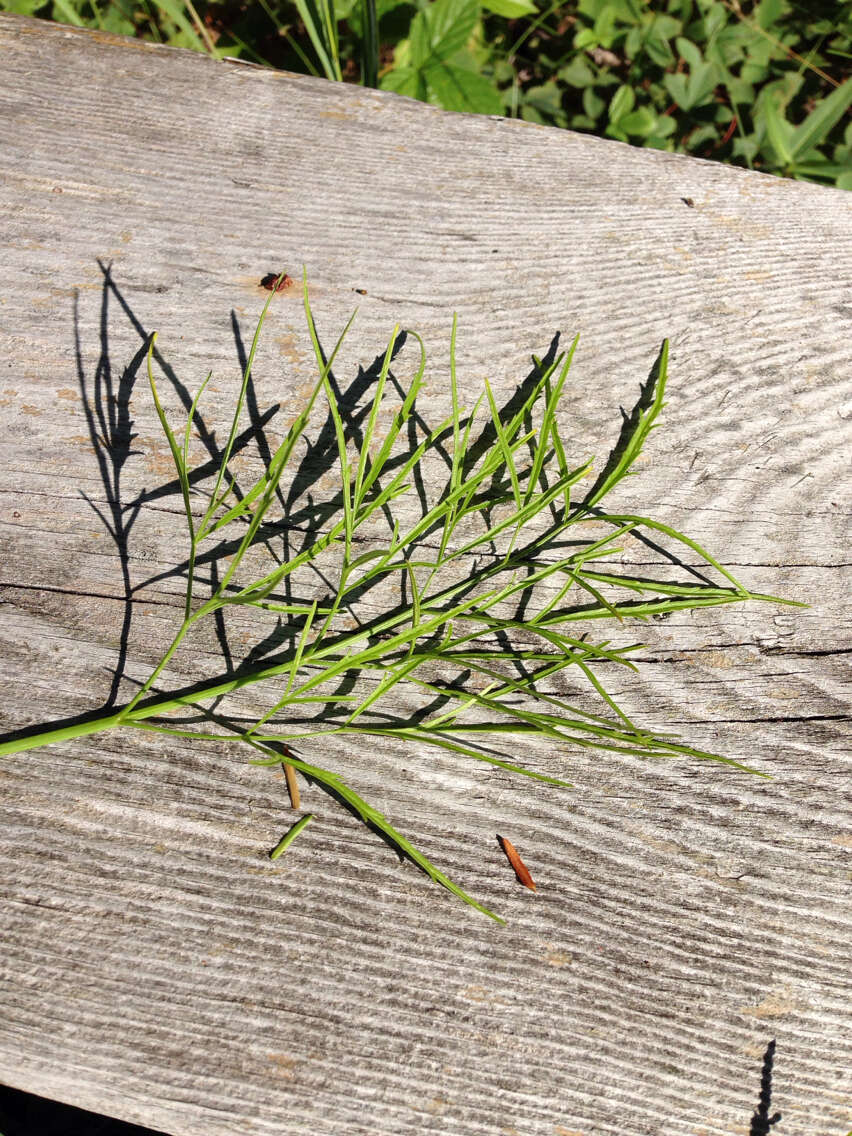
column 547, row 430
column 821, row 121
column 374, row 818
column 634, row 443
column 177, row 453
column 318, row 18
column 503, row 441
column 780, row 131
column 366, row 441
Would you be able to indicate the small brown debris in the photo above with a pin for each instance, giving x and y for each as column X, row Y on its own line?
column 521, row 870
column 269, row 282
column 605, row 58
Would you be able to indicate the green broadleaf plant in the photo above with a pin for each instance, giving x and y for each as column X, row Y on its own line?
column 490, row 590
column 432, row 65
column 795, row 146
column 767, row 87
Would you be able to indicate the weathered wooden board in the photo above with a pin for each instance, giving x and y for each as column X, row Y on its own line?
column 154, row 964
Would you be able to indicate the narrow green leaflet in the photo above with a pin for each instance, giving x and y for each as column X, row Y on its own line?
column 289, row 836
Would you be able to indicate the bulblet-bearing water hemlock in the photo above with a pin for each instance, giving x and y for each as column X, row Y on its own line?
column 489, row 589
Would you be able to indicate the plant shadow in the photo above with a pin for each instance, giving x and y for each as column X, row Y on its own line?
column 106, row 405
column 762, row 1122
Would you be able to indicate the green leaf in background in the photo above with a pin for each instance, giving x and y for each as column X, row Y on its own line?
column 186, row 18
column 117, row 22
column 779, row 131
column 544, row 104
column 694, row 89
column 436, row 69
column 510, row 9
column 577, row 74
column 369, row 43
column 320, row 23
column 621, row 103
column 769, row 12
column 715, row 19
column 593, row 104
column 601, row 34
column 658, row 48
column 23, row 7
column 641, row 123
column 843, row 157
column 650, row 35
column 408, row 81
column 821, row 168
column 819, row 123
column 689, row 51
column 442, row 29
column 627, row 11
column 63, row 12
column 456, row 88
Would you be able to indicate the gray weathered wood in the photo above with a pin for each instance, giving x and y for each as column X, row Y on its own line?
column 155, row 965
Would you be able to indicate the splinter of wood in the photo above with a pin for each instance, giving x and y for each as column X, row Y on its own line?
column 521, row 870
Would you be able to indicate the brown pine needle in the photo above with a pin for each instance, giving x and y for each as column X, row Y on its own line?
column 292, row 784
column 521, row 870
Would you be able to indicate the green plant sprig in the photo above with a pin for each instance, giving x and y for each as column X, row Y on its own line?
column 481, row 594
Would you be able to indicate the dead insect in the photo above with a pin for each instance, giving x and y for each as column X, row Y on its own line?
column 521, row 870
column 688, row 201
column 360, row 291
column 271, row 279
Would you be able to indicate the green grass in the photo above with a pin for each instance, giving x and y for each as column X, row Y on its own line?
column 764, row 85
column 479, row 601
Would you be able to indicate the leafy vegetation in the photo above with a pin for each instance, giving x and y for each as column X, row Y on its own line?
column 477, row 599
column 766, row 85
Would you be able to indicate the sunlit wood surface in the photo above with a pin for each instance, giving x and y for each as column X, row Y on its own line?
column 155, row 965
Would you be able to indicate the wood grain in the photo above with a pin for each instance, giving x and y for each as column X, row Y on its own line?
column 155, row 965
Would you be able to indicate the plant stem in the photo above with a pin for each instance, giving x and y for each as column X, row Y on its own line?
column 137, row 711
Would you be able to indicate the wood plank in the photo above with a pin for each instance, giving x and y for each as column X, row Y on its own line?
column 155, row 965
